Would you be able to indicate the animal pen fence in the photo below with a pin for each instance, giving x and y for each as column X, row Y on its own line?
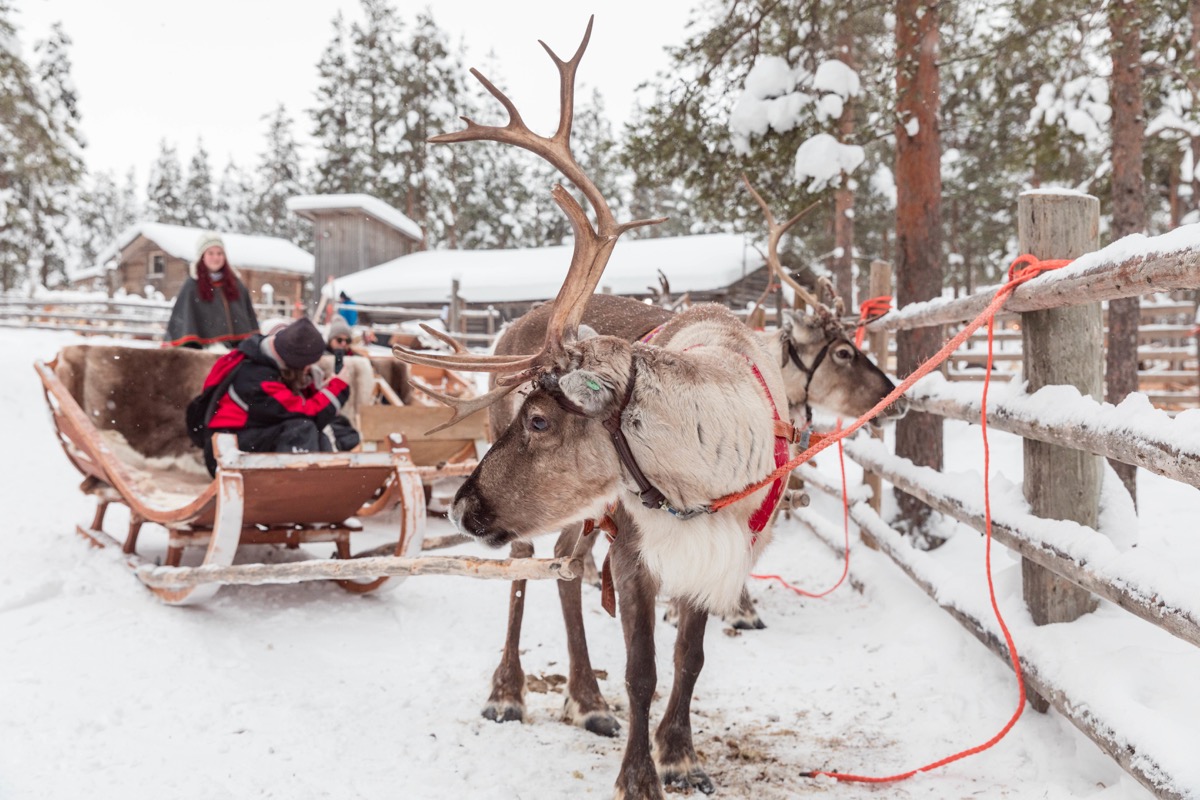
column 1066, row 562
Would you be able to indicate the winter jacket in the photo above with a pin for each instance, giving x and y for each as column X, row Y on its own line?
column 258, row 397
column 195, row 322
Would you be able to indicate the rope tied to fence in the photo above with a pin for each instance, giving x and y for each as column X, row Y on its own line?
column 869, row 311
column 1017, row 276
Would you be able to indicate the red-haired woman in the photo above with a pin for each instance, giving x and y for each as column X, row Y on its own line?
column 213, row 304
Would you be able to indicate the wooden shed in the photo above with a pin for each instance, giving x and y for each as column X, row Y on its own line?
column 352, row 232
column 153, row 257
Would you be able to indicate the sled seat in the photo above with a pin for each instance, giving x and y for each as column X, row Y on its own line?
column 119, row 415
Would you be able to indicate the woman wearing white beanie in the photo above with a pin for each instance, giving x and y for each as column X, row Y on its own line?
column 213, row 304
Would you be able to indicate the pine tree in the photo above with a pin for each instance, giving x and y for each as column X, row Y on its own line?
column 339, row 166
column 54, row 187
column 39, row 159
column 164, row 190
column 18, row 118
column 233, row 199
column 199, row 208
column 106, row 210
column 379, row 121
column 278, row 179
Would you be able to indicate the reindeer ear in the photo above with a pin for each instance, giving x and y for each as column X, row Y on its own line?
column 802, row 328
column 588, row 391
column 586, row 332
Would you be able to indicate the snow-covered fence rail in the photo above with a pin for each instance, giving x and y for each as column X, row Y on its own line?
column 1066, row 562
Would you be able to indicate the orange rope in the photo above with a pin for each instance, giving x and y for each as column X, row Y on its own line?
column 1012, row 648
column 1016, row 278
column 869, row 311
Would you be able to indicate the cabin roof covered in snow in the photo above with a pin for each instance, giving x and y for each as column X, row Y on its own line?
column 691, row 263
column 305, row 205
column 244, row 251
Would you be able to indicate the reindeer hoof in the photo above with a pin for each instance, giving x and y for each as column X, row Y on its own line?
column 754, row 623
column 602, row 724
column 694, row 778
column 598, row 721
column 504, row 712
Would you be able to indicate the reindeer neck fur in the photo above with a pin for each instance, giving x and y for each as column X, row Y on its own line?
column 700, row 426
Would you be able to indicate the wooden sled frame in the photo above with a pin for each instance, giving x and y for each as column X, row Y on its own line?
column 272, row 498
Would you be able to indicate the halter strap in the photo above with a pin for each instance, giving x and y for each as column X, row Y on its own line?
column 808, row 371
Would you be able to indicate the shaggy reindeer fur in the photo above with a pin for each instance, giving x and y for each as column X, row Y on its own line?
column 699, row 424
column 140, row 392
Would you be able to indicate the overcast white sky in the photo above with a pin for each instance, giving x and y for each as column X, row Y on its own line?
column 153, row 69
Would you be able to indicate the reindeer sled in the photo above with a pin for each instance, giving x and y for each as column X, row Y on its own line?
column 119, row 416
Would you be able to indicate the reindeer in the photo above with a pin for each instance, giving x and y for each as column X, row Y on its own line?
column 660, row 430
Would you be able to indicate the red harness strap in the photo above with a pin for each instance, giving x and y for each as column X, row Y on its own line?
column 608, row 591
column 760, row 518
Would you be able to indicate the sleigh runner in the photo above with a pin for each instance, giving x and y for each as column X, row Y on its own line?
column 128, row 439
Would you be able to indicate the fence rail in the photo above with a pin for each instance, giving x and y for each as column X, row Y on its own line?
column 1062, row 558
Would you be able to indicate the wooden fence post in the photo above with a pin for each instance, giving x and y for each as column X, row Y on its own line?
column 879, row 285
column 452, row 316
column 1061, row 346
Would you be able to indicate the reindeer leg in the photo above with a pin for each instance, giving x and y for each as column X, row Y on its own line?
column 585, row 705
column 507, row 701
column 677, row 761
column 745, row 616
column 671, row 615
column 638, row 778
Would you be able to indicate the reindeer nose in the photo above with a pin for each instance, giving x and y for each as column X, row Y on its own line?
column 898, row 409
column 473, row 515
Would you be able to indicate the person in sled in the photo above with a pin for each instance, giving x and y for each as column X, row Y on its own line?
column 272, row 403
column 213, row 304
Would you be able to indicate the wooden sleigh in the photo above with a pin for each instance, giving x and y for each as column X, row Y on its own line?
column 118, row 413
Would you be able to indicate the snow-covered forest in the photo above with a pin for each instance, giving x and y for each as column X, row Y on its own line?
column 801, row 95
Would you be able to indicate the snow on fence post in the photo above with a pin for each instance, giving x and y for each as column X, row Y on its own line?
column 879, row 285
column 1061, row 346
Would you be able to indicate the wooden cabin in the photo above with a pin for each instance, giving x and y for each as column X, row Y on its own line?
column 157, row 256
column 352, row 232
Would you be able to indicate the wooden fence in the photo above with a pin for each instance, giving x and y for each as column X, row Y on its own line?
column 1066, row 562
column 133, row 319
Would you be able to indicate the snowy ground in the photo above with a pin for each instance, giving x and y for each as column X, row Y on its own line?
column 308, row 692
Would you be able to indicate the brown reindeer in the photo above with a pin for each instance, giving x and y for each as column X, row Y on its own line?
column 847, row 383
column 658, row 430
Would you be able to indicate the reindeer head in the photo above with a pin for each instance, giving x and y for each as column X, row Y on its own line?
column 821, row 366
column 559, row 447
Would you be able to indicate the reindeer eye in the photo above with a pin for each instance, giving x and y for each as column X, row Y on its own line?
column 844, row 354
column 538, row 423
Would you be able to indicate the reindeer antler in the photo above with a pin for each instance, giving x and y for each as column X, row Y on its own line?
column 592, row 247
column 829, row 317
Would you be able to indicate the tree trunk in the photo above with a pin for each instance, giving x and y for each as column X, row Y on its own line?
column 1128, row 203
column 918, row 223
column 843, row 198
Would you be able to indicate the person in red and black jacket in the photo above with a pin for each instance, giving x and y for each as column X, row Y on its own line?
column 213, row 304
column 272, row 404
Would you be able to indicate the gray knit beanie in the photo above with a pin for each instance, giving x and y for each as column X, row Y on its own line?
column 338, row 327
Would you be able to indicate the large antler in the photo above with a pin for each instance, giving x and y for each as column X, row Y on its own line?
column 593, row 245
